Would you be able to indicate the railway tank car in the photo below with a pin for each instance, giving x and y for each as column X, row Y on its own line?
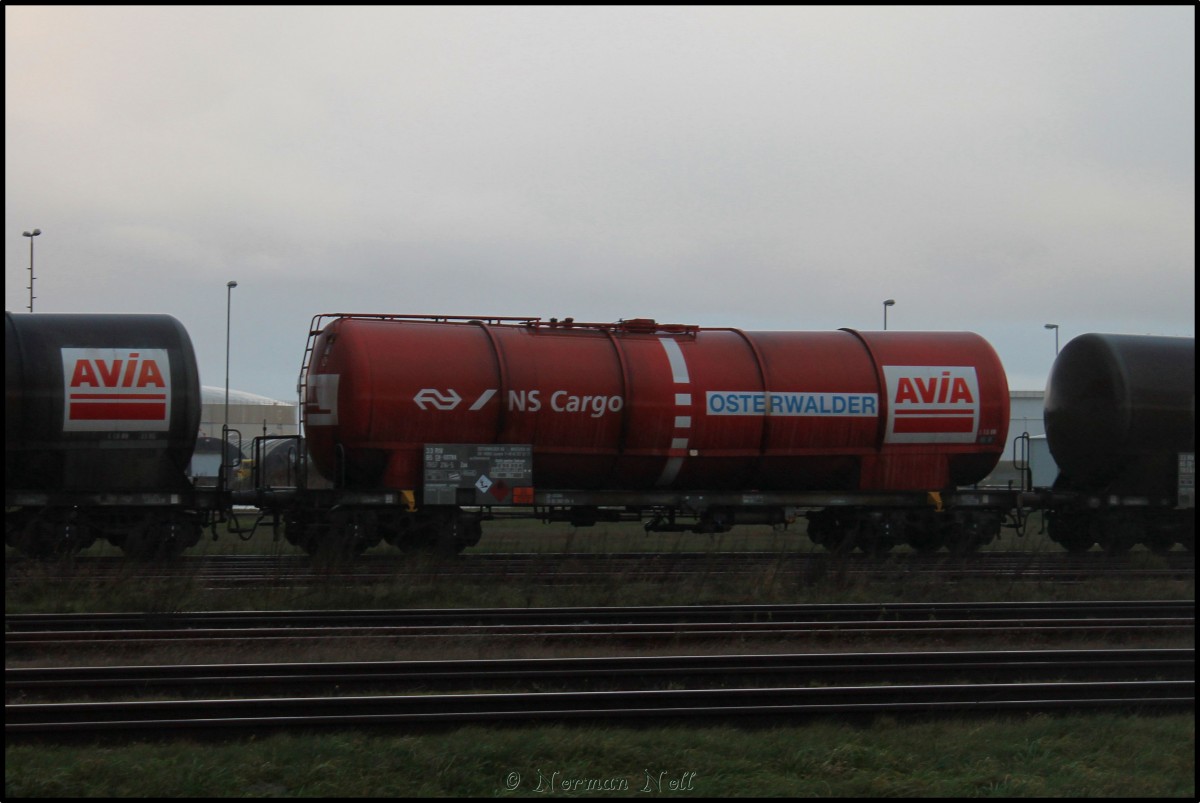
column 1120, row 416
column 101, row 418
column 866, row 433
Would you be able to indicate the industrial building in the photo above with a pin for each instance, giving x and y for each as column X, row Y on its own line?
column 249, row 414
column 1026, row 412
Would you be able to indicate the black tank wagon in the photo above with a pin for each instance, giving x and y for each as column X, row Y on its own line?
column 1120, row 417
column 101, row 418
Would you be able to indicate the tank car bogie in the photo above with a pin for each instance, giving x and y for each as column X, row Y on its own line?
column 48, row 532
column 154, row 532
column 333, row 533
column 925, row 529
column 1119, row 528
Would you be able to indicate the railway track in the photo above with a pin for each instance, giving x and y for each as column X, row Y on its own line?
column 156, row 717
column 762, row 687
column 27, row 632
column 824, row 668
column 659, row 706
column 240, row 571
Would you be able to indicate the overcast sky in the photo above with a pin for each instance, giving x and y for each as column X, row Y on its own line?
column 992, row 169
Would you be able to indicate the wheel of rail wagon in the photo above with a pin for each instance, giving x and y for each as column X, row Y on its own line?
column 344, row 534
column 834, row 529
column 1163, row 530
column 455, row 533
column 924, row 532
column 329, row 548
column 878, row 532
column 1158, row 544
column 844, row 530
column 1118, row 531
column 298, row 530
column 971, row 530
column 1072, row 531
column 471, row 532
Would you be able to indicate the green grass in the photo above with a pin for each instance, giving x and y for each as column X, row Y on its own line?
column 1085, row 755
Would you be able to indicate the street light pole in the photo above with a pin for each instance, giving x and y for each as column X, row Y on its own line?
column 891, row 302
column 31, row 235
column 225, row 429
column 1054, row 326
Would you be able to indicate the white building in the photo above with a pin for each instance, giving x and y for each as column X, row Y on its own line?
column 1025, row 415
column 250, row 414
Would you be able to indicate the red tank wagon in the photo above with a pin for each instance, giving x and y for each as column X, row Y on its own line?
column 640, row 419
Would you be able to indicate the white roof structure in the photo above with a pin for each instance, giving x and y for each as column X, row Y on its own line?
column 213, row 395
column 249, row 413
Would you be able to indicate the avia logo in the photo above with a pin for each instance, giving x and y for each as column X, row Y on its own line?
column 99, row 373
column 436, row 399
column 932, row 404
column 940, row 389
column 116, row 389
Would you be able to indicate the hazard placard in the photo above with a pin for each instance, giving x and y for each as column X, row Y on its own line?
column 476, row 474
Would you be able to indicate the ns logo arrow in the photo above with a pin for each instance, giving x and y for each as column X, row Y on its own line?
column 437, row 399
